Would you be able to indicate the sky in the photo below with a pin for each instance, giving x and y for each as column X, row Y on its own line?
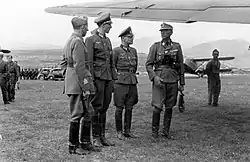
column 24, row 23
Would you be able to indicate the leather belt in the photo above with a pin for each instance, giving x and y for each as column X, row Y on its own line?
column 126, row 70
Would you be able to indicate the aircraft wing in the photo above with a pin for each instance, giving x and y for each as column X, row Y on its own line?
column 207, row 59
column 185, row 11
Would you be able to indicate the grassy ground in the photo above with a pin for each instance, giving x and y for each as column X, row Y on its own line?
column 35, row 127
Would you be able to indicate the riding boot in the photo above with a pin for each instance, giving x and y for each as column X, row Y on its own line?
column 74, row 139
column 103, row 139
column 118, row 123
column 85, row 137
column 127, row 124
column 96, row 130
column 155, row 123
column 167, row 123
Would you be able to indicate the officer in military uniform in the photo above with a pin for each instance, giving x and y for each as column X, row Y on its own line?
column 101, row 65
column 125, row 87
column 79, row 87
column 20, row 74
column 214, row 84
column 3, row 76
column 13, row 73
column 165, row 69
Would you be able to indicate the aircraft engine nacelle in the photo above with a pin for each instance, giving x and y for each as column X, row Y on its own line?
column 190, row 66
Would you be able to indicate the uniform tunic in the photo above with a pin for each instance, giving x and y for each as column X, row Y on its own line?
column 101, row 65
column 125, row 88
column 165, row 59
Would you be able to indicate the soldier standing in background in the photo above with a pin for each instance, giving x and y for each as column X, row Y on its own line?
column 29, row 73
column 24, row 73
column 4, row 76
column 125, row 88
column 13, row 73
column 78, row 86
column 101, row 65
column 213, row 80
column 165, row 68
column 20, row 75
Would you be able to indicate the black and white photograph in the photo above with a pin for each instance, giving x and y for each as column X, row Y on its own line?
column 124, row 80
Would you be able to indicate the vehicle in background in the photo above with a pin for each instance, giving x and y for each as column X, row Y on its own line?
column 56, row 74
column 43, row 74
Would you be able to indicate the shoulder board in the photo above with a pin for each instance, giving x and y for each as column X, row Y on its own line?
column 117, row 48
column 176, row 43
column 157, row 43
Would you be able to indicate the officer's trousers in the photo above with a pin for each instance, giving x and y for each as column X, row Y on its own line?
column 100, row 103
column 11, row 90
column 125, row 96
column 214, row 87
column 4, row 91
column 80, row 118
column 163, row 94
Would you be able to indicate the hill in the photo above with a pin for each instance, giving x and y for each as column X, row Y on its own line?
column 236, row 48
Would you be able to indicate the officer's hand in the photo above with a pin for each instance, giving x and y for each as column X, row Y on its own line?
column 181, row 88
column 91, row 111
column 86, row 93
column 157, row 80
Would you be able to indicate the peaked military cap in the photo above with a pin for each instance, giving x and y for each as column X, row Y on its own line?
column 165, row 26
column 215, row 50
column 104, row 18
column 4, row 50
column 79, row 21
column 126, row 31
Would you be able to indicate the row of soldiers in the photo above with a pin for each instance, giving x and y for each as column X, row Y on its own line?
column 29, row 73
column 94, row 69
column 9, row 77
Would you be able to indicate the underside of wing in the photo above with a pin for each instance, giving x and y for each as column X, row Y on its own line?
column 207, row 59
column 187, row 11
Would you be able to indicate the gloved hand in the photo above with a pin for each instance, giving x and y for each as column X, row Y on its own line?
column 157, row 80
column 181, row 88
column 85, row 93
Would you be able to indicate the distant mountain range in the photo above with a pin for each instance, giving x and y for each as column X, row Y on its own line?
column 236, row 48
column 26, row 46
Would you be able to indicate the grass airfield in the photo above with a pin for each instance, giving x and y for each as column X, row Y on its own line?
column 35, row 126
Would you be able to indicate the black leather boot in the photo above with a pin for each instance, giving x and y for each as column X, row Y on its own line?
column 74, row 147
column 6, row 102
column 118, row 123
column 127, row 124
column 103, row 139
column 156, row 122
column 85, row 137
column 96, row 130
column 167, row 123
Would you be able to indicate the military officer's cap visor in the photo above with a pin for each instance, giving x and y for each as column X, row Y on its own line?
column 4, row 50
column 127, row 31
column 165, row 26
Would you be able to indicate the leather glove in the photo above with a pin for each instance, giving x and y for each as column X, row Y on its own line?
column 157, row 80
column 181, row 88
